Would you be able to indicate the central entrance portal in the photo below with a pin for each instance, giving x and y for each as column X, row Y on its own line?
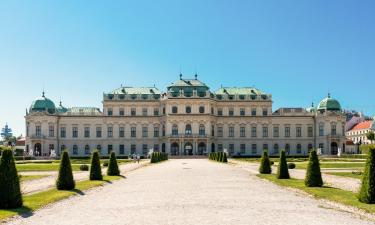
column 188, row 150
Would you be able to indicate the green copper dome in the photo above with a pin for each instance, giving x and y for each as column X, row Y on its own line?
column 43, row 104
column 61, row 108
column 329, row 104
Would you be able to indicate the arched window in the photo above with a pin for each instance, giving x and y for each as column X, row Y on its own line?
column 202, row 130
column 188, row 129
column 188, row 109
column 174, row 129
column 75, row 150
column 287, row 149
column 174, row 109
column 201, row 109
column 87, row 149
column 99, row 148
column 299, row 148
column 275, row 149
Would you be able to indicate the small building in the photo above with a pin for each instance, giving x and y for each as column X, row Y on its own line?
column 358, row 133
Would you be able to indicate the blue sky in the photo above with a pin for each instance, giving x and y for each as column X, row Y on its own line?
column 296, row 50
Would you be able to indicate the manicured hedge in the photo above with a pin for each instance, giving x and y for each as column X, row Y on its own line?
column 270, row 156
column 367, row 191
column 157, row 157
column 218, row 156
column 313, row 175
column 265, row 164
column 365, row 148
column 65, row 179
column 95, row 168
column 113, row 169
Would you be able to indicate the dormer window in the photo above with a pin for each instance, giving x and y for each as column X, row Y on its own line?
column 121, row 96
column 144, row 97
column 230, row 97
column 253, row 97
column 133, row 97
column 220, row 97
column 242, row 97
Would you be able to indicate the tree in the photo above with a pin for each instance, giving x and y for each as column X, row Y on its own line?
column 313, row 175
column 95, row 168
column 371, row 136
column 113, row 169
column 367, row 191
column 65, row 179
column 225, row 158
column 265, row 164
column 10, row 191
column 282, row 170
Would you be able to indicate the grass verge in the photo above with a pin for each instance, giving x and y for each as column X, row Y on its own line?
column 328, row 193
column 36, row 201
column 24, row 178
column 346, row 174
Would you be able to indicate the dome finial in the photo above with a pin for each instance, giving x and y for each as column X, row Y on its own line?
column 329, row 95
column 43, row 94
column 180, row 76
column 196, row 76
column 312, row 104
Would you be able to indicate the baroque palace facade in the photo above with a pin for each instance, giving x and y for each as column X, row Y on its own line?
column 187, row 119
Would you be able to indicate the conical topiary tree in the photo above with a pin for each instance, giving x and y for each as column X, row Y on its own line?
column 10, row 192
column 65, row 179
column 313, row 175
column 367, row 191
column 225, row 158
column 95, row 168
column 265, row 164
column 113, row 169
column 282, row 170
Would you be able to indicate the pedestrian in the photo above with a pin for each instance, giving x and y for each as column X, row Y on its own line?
column 138, row 158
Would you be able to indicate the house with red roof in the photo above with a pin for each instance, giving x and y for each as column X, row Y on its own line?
column 358, row 133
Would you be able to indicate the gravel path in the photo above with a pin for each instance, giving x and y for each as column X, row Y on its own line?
column 38, row 185
column 191, row 191
column 345, row 183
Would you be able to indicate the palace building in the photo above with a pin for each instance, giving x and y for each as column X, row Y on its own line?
column 186, row 119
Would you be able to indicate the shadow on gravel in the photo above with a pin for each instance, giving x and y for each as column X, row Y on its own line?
column 79, row 192
column 23, row 212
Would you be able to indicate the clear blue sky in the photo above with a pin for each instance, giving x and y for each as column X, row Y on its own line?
column 296, row 50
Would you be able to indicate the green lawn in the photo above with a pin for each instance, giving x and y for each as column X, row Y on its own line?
column 346, row 174
column 38, row 200
column 333, row 194
column 339, row 165
column 30, row 177
column 42, row 167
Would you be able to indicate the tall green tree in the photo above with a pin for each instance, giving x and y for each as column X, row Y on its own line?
column 367, row 191
column 313, row 175
column 10, row 192
column 370, row 136
column 113, row 169
column 265, row 164
column 65, row 180
column 95, row 168
column 282, row 169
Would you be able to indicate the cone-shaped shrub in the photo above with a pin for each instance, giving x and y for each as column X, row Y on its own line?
column 313, row 175
column 113, row 166
column 65, row 179
column 10, row 192
column 282, row 170
column 95, row 168
column 225, row 158
column 367, row 191
column 265, row 164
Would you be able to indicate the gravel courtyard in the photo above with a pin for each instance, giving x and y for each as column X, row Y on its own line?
column 190, row 191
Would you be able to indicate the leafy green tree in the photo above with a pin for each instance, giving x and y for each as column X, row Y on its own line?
column 65, row 179
column 313, row 175
column 265, row 164
column 95, row 168
column 370, row 136
column 113, row 169
column 282, row 169
column 10, row 192
column 367, row 191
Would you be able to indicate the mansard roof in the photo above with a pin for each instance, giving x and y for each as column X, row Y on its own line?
column 83, row 111
column 188, row 83
column 239, row 91
column 136, row 91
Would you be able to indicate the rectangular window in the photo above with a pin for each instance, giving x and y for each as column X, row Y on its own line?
column 243, row 148
column 144, row 131
column 110, row 132
column 38, row 131
column 145, row 149
column 287, row 131
column 133, row 112
column 87, row 132
column 51, row 131
column 253, row 112
column 231, row 131
column 242, row 131
column 144, row 112
column 75, row 132
column 298, row 131
column 310, row 131
column 121, row 132
column 122, row 149
column 98, row 132
column 63, row 132
column 110, row 149
column 231, row 112
column 219, row 112
column 333, row 129
column 254, row 132
column 220, row 147
column 231, row 149
column 156, row 147
column 265, row 147
column 265, row 112
column 242, row 111
column 156, row 131
column 265, row 131
column 220, row 131
column 276, row 131
column 321, row 146
column 254, row 149
column 122, row 112
column 133, row 132
column 321, row 129
column 156, row 112
column 110, row 112
column 133, row 149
